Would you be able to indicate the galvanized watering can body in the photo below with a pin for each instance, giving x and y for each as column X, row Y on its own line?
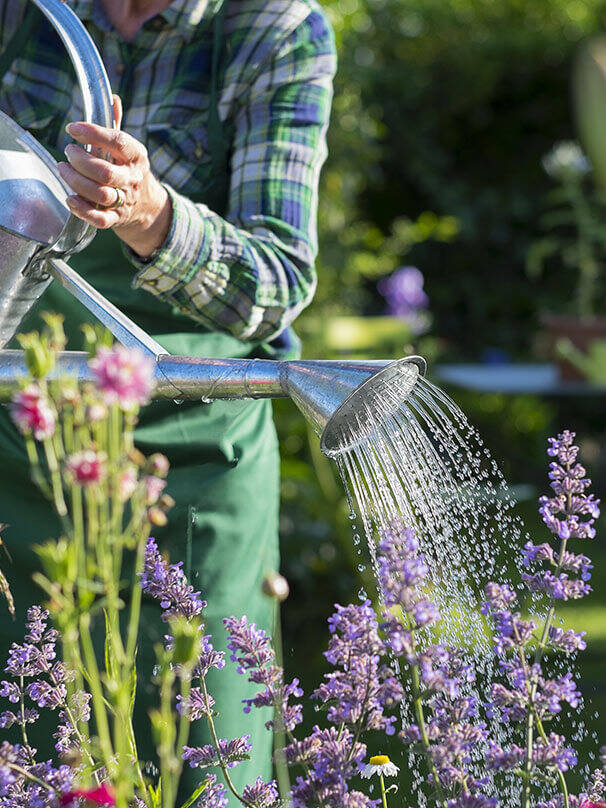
column 35, row 221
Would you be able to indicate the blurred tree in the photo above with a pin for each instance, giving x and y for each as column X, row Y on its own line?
column 448, row 107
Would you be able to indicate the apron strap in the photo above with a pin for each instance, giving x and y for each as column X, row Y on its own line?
column 18, row 41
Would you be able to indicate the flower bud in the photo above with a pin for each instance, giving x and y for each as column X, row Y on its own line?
column 38, row 356
column 137, row 457
column 153, row 489
column 69, row 395
column 167, row 502
column 186, row 641
column 157, row 516
column 96, row 412
column 127, row 483
column 159, row 464
column 275, row 586
column 55, row 333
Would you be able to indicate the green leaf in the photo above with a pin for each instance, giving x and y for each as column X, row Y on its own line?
column 190, row 800
column 110, row 661
column 155, row 795
column 133, row 690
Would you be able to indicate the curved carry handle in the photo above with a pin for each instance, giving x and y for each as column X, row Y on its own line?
column 96, row 92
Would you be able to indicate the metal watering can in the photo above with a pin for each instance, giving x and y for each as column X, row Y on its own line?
column 37, row 231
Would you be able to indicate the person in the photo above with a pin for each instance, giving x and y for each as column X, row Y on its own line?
column 206, row 213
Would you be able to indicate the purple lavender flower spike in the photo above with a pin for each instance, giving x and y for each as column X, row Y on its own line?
column 46, row 685
column 252, row 651
column 569, row 514
column 232, row 752
column 168, row 584
column 568, row 641
column 214, row 795
column 331, row 763
column 197, row 705
column 472, row 801
column 365, row 687
column 17, row 790
column 262, row 794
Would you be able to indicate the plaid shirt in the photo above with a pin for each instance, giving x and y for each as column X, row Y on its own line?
column 250, row 272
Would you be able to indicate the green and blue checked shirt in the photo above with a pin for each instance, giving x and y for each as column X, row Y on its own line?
column 250, row 271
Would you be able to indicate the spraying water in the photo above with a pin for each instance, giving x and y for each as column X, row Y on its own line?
column 411, row 456
column 407, row 454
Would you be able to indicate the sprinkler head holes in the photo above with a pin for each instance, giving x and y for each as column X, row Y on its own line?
column 377, row 397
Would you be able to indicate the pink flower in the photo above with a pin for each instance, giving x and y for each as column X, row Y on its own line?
column 32, row 412
column 123, row 376
column 87, row 467
column 127, row 482
column 103, row 795
column 153, row 488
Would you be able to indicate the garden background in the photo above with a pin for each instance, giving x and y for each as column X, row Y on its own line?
column 443, row 112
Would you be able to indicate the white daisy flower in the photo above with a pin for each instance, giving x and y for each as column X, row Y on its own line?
column 381, row 765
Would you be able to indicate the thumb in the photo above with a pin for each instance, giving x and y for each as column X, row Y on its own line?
column 117, row 104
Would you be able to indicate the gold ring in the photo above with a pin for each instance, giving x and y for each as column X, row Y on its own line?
column 120, row 199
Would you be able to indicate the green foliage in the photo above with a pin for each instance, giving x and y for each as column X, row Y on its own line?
column 447, row 107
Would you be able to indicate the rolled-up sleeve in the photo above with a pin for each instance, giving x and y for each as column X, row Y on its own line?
column 251, row 273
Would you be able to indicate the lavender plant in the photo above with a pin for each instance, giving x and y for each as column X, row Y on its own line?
column 530, row 698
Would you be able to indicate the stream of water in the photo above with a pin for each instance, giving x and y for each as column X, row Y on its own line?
column 411, row 456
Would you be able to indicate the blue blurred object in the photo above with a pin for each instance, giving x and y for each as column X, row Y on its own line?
column 495, row 356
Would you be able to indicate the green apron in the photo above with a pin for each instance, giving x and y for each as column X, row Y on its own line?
column 224, row 477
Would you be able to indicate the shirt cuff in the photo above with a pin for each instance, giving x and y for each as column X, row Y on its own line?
column 186, row 249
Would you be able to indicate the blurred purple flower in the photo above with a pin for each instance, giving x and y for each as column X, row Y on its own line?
column 403, row 291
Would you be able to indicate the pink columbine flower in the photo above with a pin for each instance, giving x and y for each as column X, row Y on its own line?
column 103, row 795
column 87, row 467
column 123, row 376
column 32, row 412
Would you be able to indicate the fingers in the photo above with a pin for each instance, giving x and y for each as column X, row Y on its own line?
column 122, row 147
column 83, row 209
column 95, row 168
column 88, row 189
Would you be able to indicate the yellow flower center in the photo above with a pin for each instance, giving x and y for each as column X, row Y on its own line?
column 379, row 760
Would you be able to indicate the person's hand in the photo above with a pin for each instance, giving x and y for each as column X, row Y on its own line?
column 122, row 194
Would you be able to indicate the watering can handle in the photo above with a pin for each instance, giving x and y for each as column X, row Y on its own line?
column 96, row 93
column 122, row 327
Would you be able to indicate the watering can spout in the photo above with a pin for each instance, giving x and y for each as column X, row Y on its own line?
column 338, row 396
column 335, row 396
